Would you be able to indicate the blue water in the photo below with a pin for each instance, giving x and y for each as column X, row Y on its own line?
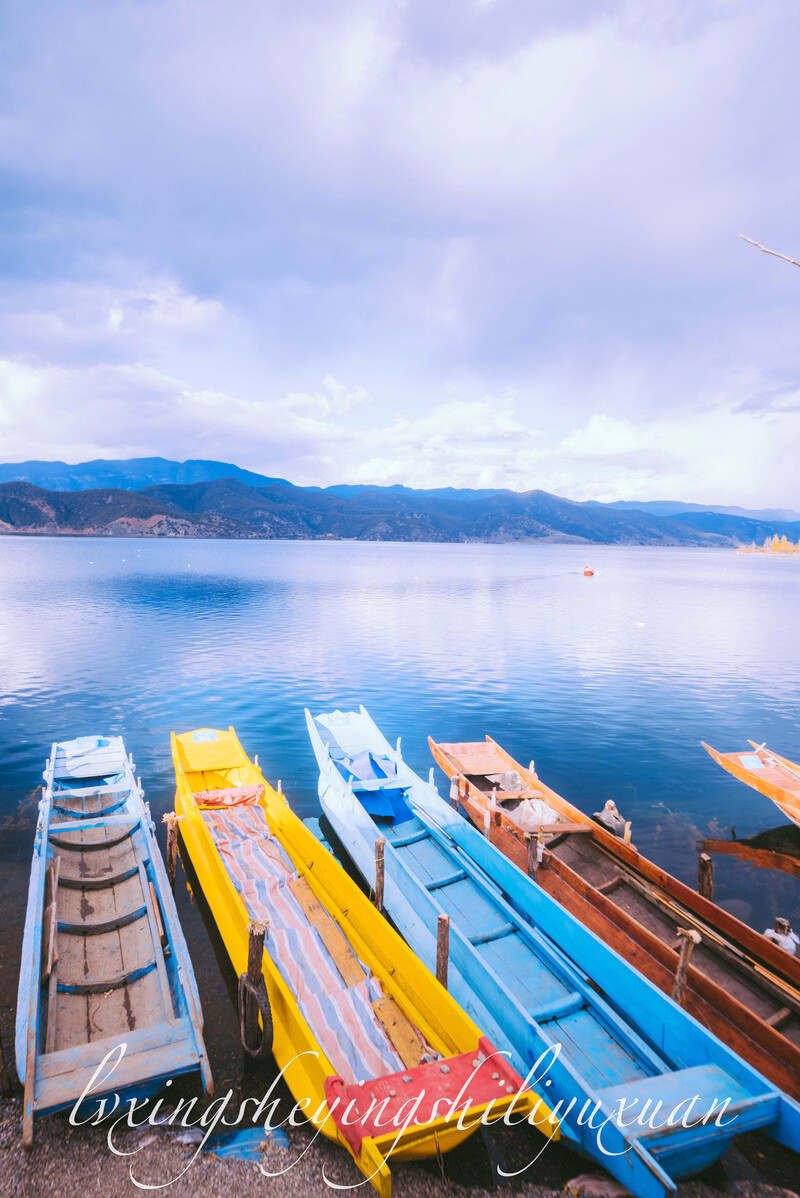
column 609, row 682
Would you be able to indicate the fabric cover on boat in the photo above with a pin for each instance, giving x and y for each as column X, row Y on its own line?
column 365, row 765
column 231, row 796
column 340, row 1016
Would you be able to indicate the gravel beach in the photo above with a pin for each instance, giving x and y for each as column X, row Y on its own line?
column 77, row 1161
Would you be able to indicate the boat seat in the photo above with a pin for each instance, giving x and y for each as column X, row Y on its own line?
column 365, row 784
column 503, row 929
column 709, row 1085
column 560, row 1008
column 458, row 875
column 403, row 841
column 98, row 813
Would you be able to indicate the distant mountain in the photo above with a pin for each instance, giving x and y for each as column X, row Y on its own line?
column 158, row 497
column 134, row 474
column 738, row 528
column 667, row 507
column 229, row 508
column 462, row 494
column 129, row 474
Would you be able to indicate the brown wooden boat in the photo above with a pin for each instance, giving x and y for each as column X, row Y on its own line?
column 771, row 775
column 739, row 985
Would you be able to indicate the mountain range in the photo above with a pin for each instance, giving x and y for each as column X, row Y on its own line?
column 158, row 497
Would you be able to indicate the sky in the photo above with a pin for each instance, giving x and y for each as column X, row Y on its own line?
column 481, row 243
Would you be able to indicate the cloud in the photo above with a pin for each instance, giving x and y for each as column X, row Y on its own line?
column 340, row 231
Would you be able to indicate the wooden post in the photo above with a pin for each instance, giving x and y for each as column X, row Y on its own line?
column 626, row 835
column 486, row 822
column 455, row 792
column 256, row 931
column 5, row 1080
column 690, row 938
column 496, row 819
column 442, row 948
column 705, row 876
column 380, row 845
column 171, row 819
column 533, row 858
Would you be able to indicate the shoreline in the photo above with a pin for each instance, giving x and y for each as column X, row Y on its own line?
column 77, row 1160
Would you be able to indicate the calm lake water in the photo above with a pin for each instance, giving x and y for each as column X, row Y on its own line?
column 609, row 683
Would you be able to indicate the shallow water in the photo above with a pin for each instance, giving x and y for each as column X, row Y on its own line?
column 609, row 682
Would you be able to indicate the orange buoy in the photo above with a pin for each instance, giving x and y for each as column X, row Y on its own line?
column 588, row 571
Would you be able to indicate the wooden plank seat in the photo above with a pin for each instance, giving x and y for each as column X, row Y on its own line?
column 87, row 791
column 343, row 956
column 92, row 846
column 96, row 813
column 106, row 984
column 457, row 875
column 163, row 1050
column 368, row 784
column 101, row 882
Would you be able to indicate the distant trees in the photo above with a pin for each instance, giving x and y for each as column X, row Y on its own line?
column 774, row 544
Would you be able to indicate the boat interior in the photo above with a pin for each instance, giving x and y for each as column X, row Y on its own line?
column 105, row 955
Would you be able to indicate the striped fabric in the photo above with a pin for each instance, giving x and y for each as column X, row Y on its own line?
column 341, row 1017
column 230, row 796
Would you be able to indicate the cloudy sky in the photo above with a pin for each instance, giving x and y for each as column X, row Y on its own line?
column 461, row 242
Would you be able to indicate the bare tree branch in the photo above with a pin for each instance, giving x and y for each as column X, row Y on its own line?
column 764, row 250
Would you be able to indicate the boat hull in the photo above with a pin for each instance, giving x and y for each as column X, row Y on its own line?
column 775, row 777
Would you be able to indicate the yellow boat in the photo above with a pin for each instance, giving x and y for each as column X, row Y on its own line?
column 361, row 1030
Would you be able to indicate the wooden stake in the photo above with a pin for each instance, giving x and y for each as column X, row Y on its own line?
column 171, row 819
column 533, row 858
column 626, row 835
column 442, row 948
column 380, row 846
column 257, row 931
column 486, row 822
column 496, row 820
column 705, row 876
column 690, row 937
column 455, row 792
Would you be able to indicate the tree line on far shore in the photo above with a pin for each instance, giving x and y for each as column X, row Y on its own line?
column 774, row 544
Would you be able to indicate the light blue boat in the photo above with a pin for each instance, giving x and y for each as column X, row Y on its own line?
column 668, row 1094
column 105, row 968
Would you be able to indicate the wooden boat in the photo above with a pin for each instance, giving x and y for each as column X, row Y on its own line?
column 356, row 1018
column 771, row 775
column 104, row 961
column 545, row 978
column 738, row 984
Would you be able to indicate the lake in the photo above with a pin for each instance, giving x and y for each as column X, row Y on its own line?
column 609, row 683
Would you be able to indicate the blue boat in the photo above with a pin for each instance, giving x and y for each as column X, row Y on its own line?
column 105, row 973
column 640, row 1085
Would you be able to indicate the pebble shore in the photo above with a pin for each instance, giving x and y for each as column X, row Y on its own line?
column 76, row 1161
